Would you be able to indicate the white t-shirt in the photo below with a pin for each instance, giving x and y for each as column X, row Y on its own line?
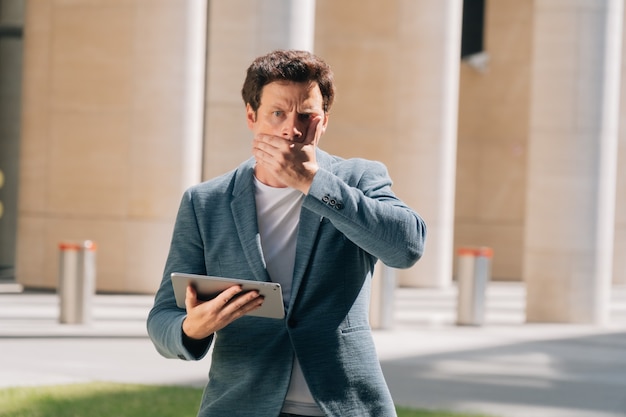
column 278, row 213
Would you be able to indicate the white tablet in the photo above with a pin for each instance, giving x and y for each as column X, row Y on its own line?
column 209, row 287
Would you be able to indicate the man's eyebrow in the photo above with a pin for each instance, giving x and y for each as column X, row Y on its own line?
column 308, row 110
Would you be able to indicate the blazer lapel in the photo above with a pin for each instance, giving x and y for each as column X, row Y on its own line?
column 243, row 208
column 307, row 232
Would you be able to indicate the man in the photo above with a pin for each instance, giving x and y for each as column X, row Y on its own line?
column 296, row 215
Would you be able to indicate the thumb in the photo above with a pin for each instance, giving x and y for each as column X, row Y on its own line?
column 191, row 297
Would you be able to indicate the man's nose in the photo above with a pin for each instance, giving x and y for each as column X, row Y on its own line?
column 292, row 129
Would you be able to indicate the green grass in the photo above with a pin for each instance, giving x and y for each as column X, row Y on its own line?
column 121, row 400
column 405, row 412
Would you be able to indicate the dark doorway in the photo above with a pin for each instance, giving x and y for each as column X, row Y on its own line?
column 11, row 51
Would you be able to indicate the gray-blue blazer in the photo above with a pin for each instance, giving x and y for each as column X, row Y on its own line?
column 349, row 220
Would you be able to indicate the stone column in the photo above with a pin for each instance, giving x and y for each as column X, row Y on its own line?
column 619, row 260
column 424, row 149
column 239, row 31
column 572, row 160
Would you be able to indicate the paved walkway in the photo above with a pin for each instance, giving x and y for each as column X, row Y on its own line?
column 505, row 368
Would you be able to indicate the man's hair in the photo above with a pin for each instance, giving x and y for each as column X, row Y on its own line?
column 287, row 65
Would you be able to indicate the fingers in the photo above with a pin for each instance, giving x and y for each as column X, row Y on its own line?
column 281, row 153
column 267, row 148
column 207, row 317
column 314, row 131
column 235, row 301
column 245, row 303
column 228, row 294
column 286, row 161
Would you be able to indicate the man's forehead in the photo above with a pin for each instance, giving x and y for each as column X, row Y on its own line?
column 282, row 92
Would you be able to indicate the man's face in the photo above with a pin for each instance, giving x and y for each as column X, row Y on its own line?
column 286, row 110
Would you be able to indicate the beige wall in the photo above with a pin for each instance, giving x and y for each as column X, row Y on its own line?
column 104, row 152
column 492, row 145
column 107, row 146
column 492, row 140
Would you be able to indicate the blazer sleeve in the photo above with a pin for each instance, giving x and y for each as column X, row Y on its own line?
column 165, row 318
column 358, row 200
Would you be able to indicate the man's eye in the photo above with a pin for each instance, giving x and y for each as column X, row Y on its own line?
column 277, row 113
column 305, row 116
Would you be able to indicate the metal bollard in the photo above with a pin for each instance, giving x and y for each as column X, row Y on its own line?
column 77, row 280
column 474, row 271
column 382, row 302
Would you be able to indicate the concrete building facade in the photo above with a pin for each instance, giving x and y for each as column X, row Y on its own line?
column 125, row 103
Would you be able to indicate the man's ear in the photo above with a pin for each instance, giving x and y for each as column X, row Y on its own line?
column 325, row 122
column 250, row 116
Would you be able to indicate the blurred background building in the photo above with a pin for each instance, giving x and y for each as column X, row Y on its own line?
column 499, row 121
